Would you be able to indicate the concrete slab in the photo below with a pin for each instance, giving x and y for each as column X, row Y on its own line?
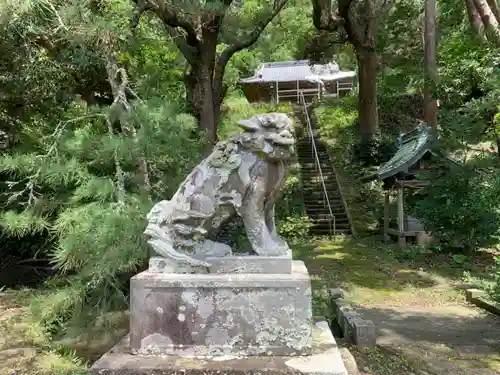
column 221, row 314
column 325, row 359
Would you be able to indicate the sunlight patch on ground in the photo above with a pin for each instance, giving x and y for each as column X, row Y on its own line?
column 23, row 346
column 371, row 274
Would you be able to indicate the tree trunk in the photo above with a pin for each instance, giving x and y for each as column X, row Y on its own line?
column 430, row 64
column 202, row 95
column 494, row 8
column 475, row 19
column 368, row 108
column 489, row 20
column 201, row 99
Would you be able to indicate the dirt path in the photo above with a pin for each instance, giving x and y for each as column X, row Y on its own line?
column 453, row 339
column 425, row 327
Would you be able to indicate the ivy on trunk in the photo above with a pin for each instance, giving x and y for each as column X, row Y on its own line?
column 197, row 31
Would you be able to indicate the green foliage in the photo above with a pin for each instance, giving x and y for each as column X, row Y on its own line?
column 291, row 221
column 236, row 108
column 494, row 287
column 337, row 127
column 295, row 228
column 98, row 236
column 399, row 47
column 462, row 207
column 335, row 116
column 374, row 150
column 72, row 179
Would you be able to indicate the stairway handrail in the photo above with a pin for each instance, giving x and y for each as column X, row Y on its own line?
column 315, row 152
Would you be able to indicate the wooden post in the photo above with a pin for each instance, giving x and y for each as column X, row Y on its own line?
column 298, row 89
column 401, row 227
column 387, row 214
column 277, row 93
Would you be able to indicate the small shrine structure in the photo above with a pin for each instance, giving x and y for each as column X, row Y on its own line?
column 413, row 156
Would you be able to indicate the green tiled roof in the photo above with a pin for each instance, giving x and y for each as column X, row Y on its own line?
column 412, row 147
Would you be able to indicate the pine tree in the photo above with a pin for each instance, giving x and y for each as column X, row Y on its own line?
column 88, row 178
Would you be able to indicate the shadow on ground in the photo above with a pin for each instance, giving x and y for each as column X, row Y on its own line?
column 369, row 264
column 416, row 303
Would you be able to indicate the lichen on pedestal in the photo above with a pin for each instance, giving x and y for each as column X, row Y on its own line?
column 221, row 314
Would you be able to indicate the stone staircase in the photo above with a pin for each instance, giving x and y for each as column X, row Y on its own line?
column 314, row 193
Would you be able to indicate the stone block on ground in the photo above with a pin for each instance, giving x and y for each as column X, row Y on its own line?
column 470, row 294
column 325, row 359
column 336, row 293
column 364, row 333
column 221, row 314
column 357, row 330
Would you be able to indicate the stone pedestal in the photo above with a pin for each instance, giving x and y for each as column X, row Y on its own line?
column 247, row 314
column 324, row 359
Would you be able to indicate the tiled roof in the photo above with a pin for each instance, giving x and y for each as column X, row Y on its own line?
column 286, row 71
column 412, row 146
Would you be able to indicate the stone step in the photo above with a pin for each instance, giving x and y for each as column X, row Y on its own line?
column 311, row 166
column 320, row 200
column 313, row 169
column 339, row 221
column 307, row 152
column 329, row 232
column 316, row 177
column 318, row 228
column 320, row 209
column 319, row 194
column 339, row 216
column 330, row 183
column 326, row 171
column 325, row 158
column 327, row 219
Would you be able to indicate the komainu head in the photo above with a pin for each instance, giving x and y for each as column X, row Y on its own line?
column 269, row 133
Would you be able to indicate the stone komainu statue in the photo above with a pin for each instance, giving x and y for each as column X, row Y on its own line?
column 241, row 176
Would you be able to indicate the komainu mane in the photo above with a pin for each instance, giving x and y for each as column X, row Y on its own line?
column 242, row 176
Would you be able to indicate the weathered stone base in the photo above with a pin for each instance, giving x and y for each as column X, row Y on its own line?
column 230, row 264
column 221, row 314
column 324, row 360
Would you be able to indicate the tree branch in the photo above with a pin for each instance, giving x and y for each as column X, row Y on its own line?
column 189, row 52
column 324, row 18
column 167, row 15
column 226, row 55
column 351, row 25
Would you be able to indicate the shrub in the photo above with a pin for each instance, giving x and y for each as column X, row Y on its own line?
column 86, row 188
column 494, row 289
column 461, row 206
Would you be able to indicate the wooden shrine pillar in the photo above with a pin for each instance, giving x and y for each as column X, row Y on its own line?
column 401, row 218
column 387, row 213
